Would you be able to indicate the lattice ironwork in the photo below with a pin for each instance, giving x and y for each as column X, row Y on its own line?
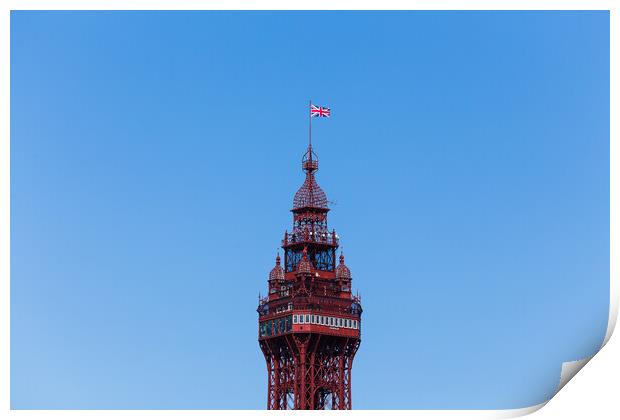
column 310, row 195
column 309, row 372
column 321, row 259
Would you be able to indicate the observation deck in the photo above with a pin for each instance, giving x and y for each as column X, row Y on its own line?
column 310, row 322
column 322, row 238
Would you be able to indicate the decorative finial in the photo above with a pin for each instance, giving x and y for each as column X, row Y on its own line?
column 310, row 161
column 342, row 271
column 277, row 272
column 304, row 266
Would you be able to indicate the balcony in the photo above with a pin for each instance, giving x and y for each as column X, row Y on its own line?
column 312, row 237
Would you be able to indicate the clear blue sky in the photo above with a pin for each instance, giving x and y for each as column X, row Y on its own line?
column 154, row 158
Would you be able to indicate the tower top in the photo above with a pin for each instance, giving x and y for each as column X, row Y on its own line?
column 310, row 321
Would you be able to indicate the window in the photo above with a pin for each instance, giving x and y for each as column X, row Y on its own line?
column 307, row 319
column 355, row 324
column 313, row 319
column 340, row 322
column 294, row 319
column 348, row 323
column 331, row 321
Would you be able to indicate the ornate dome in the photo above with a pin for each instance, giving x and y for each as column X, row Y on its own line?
column 277, row 272
column 342, row 271
column 310, row 194
column 304, row 266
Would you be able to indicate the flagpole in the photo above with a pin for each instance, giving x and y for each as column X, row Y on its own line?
column 310, row 118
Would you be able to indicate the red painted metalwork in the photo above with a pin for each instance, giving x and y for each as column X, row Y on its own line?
column 310, row 322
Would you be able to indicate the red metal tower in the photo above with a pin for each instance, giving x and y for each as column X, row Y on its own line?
column 309, row 323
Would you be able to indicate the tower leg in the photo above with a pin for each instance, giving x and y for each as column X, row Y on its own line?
column 276, row 381
column 341, row 382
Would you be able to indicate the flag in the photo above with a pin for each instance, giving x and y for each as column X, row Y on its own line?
column 319, row 111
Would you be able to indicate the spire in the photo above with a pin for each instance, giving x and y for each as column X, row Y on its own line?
column 310, row 161
column 310, row 193
column 277, row 273
column 304, row 266
column 342, row 271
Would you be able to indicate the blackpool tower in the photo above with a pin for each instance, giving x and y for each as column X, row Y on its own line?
column 309, row 323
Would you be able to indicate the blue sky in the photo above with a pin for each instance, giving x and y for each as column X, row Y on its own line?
column 154, row 158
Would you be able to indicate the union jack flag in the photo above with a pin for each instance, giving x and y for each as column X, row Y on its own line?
column 319, row 111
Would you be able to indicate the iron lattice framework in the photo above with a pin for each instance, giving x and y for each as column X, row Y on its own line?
column 309, row 325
